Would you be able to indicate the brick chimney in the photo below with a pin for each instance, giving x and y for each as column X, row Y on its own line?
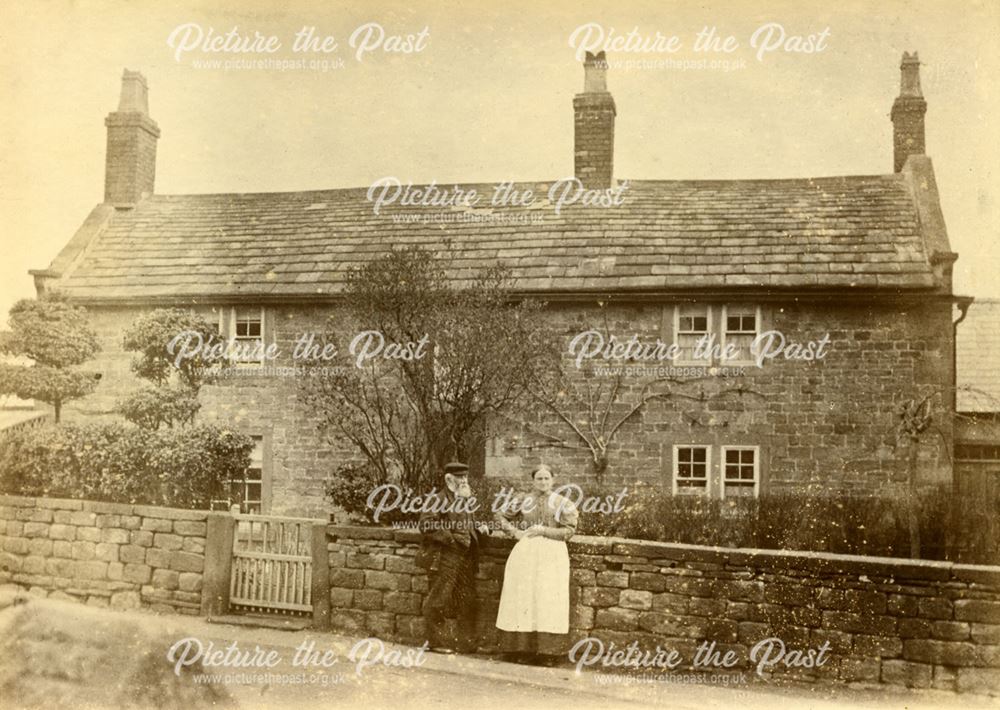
column 908, row 113
column 594, row 126
column 130, row 164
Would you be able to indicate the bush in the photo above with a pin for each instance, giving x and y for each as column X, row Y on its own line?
column 823, row 522
column 831, row 521
column 352, row 483
column 152, row 407
column 349, row 489
column 183, row 468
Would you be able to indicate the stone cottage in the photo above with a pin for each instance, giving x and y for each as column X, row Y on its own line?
column 860, row 263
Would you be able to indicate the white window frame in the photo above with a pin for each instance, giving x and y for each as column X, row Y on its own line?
column 233, row 338
column 756, row 468
column 704, row 362
column 260, row 443
column 724, row 330
column 707, row 490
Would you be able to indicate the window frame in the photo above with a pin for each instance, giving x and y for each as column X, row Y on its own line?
column 227, row 328
column 675, row 466
column 264, row 438
column 703, row 362
column 247, row 338
column 724, row 332
column 722, row 467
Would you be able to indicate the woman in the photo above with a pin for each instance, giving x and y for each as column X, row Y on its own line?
column 534, row 601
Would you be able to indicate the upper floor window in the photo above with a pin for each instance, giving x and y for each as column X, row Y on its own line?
column 692, row 326
column 724, row 332
column 243, row 326
column 741, row 325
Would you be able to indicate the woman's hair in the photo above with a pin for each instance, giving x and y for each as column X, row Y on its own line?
column 538, row 469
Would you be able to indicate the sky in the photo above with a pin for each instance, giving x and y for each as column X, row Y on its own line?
column 488, row 98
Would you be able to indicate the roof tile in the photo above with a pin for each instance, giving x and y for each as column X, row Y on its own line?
column 825, row 232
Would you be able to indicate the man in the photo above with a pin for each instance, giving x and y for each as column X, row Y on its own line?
column 449, row 551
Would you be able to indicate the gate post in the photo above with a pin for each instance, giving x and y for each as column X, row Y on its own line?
column 218, row 564
column 320, row 578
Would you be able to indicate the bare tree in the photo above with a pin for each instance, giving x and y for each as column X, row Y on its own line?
column 432, row 363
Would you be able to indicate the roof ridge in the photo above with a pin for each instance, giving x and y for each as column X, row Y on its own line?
column 895, row 177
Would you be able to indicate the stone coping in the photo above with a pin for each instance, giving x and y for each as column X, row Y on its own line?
column 668, row 554
column 93, row 506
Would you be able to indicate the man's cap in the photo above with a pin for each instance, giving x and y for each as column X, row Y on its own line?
column 456, row 468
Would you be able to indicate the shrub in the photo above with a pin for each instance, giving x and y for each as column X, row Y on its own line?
column 352, row 483
column 486, row 490
column 349, row 489
column 185, row 468
column 161, row 337
column 830, row 521
column 194, row 464
column 837, row 522
column 151, row 407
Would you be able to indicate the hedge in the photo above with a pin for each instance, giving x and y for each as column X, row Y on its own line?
column 185, row 467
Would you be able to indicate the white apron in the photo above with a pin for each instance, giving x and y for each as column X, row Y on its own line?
column 535, row 594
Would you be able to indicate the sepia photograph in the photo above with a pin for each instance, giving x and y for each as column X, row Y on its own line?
column 562, row 355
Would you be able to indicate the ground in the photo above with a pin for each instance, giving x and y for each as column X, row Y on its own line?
column 450, row 682
column 438, row 681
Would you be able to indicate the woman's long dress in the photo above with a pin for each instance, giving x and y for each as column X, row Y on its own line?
column 534, row 601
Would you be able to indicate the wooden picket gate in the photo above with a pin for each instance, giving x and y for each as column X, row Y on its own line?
column 272, row 565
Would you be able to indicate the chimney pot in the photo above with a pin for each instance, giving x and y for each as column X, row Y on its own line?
column 135, row 94
column 130, row 161
column 595, row 73
column 908, row 114
column 909, row 69
column 594, row 126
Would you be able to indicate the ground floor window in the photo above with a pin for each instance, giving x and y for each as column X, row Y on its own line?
column 691, row 469
column 740, row 477
column 737, row 475
column 248, row 491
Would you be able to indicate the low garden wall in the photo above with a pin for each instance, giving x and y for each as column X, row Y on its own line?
column 884, row 621
column 105, row 554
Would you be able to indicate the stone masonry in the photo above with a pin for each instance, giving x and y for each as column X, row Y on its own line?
column 105, row 554
column 887, row 621
column 828, row 423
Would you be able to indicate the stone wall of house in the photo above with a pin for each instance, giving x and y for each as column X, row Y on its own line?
column 826, row 423
column 886, row 621
column 105, row 554
column 298, row 459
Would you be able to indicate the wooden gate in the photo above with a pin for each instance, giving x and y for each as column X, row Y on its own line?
column 272, row 565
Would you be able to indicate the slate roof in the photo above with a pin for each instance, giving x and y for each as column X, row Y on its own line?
column 977, row 358
column 844, row 232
